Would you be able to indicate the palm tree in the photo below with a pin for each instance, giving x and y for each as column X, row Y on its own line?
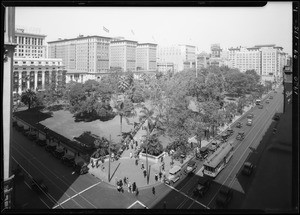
column 125, row 109
column 28, row 97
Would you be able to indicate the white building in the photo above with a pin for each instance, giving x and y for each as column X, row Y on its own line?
column 146, row 56
column 183, row 56
column 123, row 55
column 165, row 67
column 248, row 59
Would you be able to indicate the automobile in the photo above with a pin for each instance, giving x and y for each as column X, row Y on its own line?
column 174, row 175
column 41, row 142
column 38, row 185
column 68, row 160
column 225, row 136
column 203, row 153
column 224, row 197
column 81, row 168
column 260, row 106
column 239, row 125
column 249, row 122
column 50, row 148
column 250, row 116
column 25, row 131
column 58, row 153
column 241, row 135
column 213, row 146
column 230, row 131
column 191, row 167
column 202, row 187
column 276, row 117
column 267, row 101
column 271, row 97
column 20, row 128
column 247, row 168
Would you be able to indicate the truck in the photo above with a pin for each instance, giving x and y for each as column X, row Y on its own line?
column 191, row 167
column 202, row 186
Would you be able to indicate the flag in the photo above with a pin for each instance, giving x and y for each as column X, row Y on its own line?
column 132, row 32
column 105, row 29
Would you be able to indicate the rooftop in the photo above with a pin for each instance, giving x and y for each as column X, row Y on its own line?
column 214, row 159
column 78, row 38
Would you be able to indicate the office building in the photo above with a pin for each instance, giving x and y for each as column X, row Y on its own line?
column 183, row 56
column 146, row 56
column 123, row 55
column 31, row 44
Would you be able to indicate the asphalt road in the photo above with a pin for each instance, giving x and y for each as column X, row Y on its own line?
column 67, row 190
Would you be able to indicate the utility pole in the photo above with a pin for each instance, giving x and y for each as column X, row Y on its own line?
column 147, row 153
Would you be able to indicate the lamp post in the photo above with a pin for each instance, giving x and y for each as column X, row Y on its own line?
column 109, row 158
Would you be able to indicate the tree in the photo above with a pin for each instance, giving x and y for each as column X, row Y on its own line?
column 125, row 109
column 28, row 97
column 152, row 145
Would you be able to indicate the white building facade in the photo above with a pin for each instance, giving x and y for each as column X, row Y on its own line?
column 146, row 56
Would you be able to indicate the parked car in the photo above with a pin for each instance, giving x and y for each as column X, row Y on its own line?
column 239, row 125
column 276, row 117
column 41, row 142
column 260, row 106
column 267, row 101
column 225, row 136
column 38, row 185
column 247, row 168
column 230, row 131
column 191, row 167
column 271, row 97
column 68, row 160
column 250, row 116
column 50, row 148
column 241, row 135
column 58, row 153
column 202, row 187
column 249, row 122
column 224, row 197
column 214, row 145
column 81, row 168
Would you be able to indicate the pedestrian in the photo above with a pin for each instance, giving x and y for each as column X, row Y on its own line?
column 156, row 177
column 130, row 154
column 137, row 191
column 121, row 183
column 143, row 165
column 163, row 166
column 160, row 175
column 153, row 190
column 136, row 143
column 136, row 161
column 145, row 173
column 131, row 145
column 125, row 182
column 129, row 187
column 133, row 186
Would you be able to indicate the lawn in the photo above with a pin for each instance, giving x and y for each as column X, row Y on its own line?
column 64, row 123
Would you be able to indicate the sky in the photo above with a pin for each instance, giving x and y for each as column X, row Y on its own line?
column 199, row 26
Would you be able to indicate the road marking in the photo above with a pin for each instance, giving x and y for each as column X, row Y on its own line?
column 137, row 201
column 187, row 196
column 77, row 194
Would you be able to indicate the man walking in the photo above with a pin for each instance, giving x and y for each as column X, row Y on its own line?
column 153, row 190
column 143, row 165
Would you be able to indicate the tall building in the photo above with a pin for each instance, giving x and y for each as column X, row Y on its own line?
column 183, row 56
column 88, row 54
column 146, row 56
column 123, row 55
column 202, row 60
column 165, row 67
column 215, row 50
column 30, row 44
column 232, row 54
column 7, row 186
column 248, row 59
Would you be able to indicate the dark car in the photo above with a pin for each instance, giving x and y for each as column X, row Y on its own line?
column 68, row 160
column 203, row 153
column 230, row 131
column 239, row 125
column 241, row 135
column 224, row 197
column 260, row 106
column 50, row 148
column 250, row 116
column 214, row 145
column 81, row 168
column 191, row 167
column 267, row 101
column 41, row 142
column 225, row 136
column 58, row 153
column 247, row 168
column 202, row 186
column 38, row 185
column 276, row 117
column 271, row 97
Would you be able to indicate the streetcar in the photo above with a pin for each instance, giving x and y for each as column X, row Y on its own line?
column 218, row 160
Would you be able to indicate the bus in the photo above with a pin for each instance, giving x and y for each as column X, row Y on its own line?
column 218, row 160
